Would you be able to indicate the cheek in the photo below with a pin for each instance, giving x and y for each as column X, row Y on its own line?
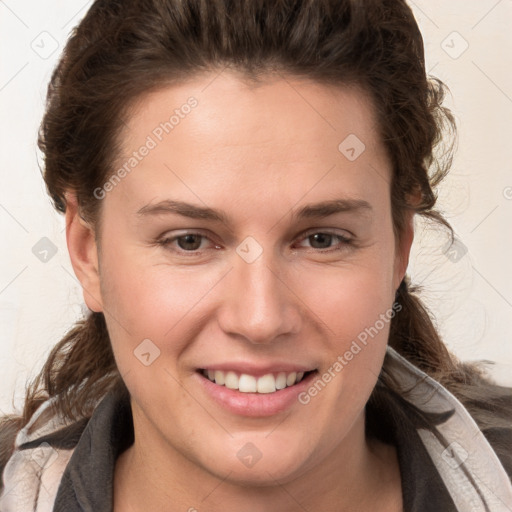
column 350, row 298
column 356, row 319
column 155, row 302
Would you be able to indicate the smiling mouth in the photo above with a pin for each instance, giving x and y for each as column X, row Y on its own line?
column 245, row 383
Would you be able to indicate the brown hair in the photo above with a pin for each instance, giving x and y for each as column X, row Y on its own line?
column 124, row 48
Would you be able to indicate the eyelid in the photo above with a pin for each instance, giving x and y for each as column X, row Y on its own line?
column 304, row 234
column 327, row 231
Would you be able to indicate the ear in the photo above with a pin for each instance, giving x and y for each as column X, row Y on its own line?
column 403, row 249
column 83, row 252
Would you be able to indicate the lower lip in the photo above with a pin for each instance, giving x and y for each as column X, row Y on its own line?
column 255, row 404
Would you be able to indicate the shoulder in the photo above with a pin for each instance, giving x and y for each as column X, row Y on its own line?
column 466, row 428
column 501, row 441
column 490, row 406
column 42, row 449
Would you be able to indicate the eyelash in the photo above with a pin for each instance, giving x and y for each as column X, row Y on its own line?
column 167, row 241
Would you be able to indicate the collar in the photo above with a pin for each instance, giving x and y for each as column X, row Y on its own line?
column 467, row 464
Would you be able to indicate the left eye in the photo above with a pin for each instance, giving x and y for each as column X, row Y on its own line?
column 189, row 242
column 321, row 240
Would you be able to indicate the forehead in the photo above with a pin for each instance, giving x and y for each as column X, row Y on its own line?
column 230, row 105
column 216, row 132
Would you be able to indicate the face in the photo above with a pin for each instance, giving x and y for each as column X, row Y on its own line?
column 249, row 245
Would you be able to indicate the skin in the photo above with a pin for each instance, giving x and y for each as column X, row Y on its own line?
column 242, row 149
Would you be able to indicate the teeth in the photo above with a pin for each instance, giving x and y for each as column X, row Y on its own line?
column 245, row 383
column 291, row 378
column 231, row 380
column 281, row 380
column 267, row 384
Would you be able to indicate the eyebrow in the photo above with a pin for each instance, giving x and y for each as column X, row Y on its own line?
column 309, row 211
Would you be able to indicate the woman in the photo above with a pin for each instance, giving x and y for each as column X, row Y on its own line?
column 239, row 181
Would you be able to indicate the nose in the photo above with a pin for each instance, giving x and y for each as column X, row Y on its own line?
column 258, row 302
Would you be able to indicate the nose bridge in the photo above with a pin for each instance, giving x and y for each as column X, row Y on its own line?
column 258, row 305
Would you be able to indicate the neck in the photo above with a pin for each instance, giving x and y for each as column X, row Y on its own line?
column 358, row 475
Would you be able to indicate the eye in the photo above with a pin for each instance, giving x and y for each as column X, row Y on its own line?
column 191, row 243
column 323, row 240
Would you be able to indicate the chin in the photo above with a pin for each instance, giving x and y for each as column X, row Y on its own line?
column 259, row 462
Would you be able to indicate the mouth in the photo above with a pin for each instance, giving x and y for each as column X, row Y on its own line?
column 257, row 391
column 266, row 384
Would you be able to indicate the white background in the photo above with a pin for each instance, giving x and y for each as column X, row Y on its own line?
column 471, row 297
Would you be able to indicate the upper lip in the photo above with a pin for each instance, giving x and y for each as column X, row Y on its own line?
column 258, row 370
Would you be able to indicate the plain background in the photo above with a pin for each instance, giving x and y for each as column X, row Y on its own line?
column 468, row 45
